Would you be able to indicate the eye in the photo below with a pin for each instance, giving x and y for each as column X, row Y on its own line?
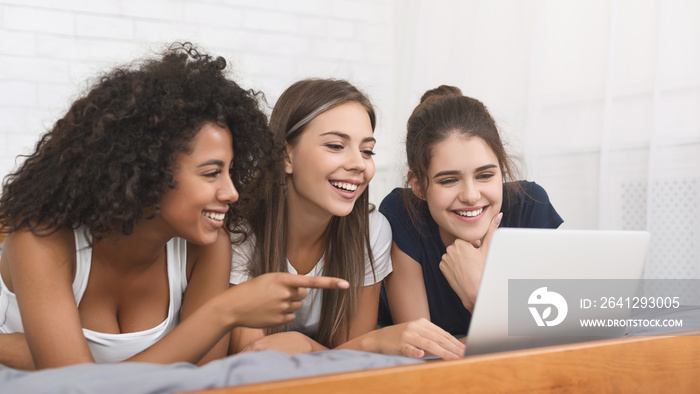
column 212, row 174
column 485, row 176
column 334, row 146
column 447, row 181
column 368, row 153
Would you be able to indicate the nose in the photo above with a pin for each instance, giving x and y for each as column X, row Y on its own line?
column 227, row 192
column 470, row 193
column 355, row 162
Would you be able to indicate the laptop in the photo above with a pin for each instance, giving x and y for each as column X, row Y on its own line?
column 543, row 287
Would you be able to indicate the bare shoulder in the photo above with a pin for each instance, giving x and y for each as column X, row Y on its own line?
column 24, row 249
column 23, row 242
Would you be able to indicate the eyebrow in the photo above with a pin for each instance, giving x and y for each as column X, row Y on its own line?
column 486, row 167
column 455, row 172
column 212, row 162
column 346, row 136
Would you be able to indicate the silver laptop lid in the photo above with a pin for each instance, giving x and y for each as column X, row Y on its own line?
column 544, row 274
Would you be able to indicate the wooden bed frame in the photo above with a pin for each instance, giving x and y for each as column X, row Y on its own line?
column 634, row 364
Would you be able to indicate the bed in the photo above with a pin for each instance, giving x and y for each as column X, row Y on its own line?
column 644, row 361
column 627, row 365
column 648, row 360
column 236, row 370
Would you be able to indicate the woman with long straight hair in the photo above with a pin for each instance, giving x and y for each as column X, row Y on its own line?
column 316, row 219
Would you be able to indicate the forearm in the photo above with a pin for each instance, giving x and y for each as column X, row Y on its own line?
column 313, row 346
column 290, row 342
column 405, row 289
column 241, row 337
column 192, row 339
column 367, row 343
column 403, row 312
column 15, row 352
column 220, row 350
column 413, row 339
column 208, row 280
column 466, row 290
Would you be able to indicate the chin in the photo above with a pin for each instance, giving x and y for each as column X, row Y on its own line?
column 341, row 210
column 471, row 236
column 204, row 239
column 342, row 213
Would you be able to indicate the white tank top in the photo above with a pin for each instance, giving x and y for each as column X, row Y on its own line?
column 111, row 348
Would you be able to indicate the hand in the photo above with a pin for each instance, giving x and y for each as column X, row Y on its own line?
column 290, row 342
column 416, row 339
column 15, row 351
column 463, row 265
column 271, row 299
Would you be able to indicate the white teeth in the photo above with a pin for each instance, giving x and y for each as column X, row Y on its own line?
column 470, row 213
column 214, row 215
column 345, row 186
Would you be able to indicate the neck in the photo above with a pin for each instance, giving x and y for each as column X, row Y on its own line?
column 306, row 235
column 136, row 251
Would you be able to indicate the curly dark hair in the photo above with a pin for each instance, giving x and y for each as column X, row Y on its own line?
column 105, row 164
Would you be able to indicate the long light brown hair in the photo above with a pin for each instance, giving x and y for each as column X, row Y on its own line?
column 347, row 242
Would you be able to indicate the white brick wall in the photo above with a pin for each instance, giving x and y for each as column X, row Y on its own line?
column 38, row 20
column 49, row 49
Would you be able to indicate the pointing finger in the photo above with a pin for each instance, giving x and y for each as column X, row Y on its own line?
column 297, row 293
column 317, row 282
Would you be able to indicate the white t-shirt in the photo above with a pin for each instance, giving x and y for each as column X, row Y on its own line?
column 308, row 317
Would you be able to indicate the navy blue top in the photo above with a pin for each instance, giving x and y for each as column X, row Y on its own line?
column 529, row 207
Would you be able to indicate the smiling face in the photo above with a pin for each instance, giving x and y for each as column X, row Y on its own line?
column 196, row 208
column 465, row 188
column 330, row 164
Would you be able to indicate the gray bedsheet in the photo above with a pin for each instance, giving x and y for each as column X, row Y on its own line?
column 245, row 368
column 153, row 378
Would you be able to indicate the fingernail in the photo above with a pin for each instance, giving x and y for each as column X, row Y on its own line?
column 497, row 219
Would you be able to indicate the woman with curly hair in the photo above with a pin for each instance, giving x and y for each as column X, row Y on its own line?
column 316, row 220
column 117, row 223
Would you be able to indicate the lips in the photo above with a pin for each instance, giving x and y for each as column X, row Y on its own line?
column 346, row 186
column 470, row 213
column 218, row 216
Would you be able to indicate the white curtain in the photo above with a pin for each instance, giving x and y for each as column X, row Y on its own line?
column 600, row 98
